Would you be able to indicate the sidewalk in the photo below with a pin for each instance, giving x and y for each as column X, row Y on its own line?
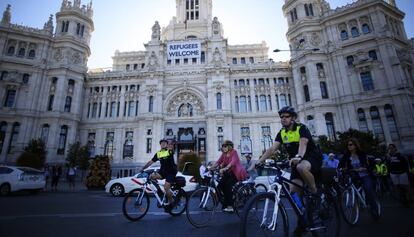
column 63, row 187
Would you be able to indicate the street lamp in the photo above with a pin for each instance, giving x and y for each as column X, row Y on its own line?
column 280, row 50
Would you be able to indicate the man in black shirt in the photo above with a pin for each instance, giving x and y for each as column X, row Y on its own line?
column 168, row 169
column 306, row 159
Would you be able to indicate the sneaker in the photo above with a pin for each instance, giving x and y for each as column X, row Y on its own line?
column 228, row 209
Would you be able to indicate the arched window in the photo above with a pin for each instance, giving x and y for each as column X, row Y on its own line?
column 350, row 60
column 324, row 90
column 13, row 137
column 32, row 53
column 241, row 82
column 366, row 29
column 62, row 140
column 266, row 138
column 362, row 121
column 68, row 104
column 330, row 126
column 344, row 35
column 263, row 105
column 22, row 52
column 3, row 129
column 373, row 55
column 306, row 92
column 392, row 125
column 243, row 104
column 218, row 101
column 185, row 110
column 10, row 51
column 376, row 123
column 128, row 145
column 10, row 98
column 91, row 144
column 109, row 145
column 45, row 133
column 354, row 31
column 311, row 124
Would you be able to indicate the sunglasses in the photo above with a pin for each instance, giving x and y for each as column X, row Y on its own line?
column 285, row 116
column 350, row 144
column 223, row 146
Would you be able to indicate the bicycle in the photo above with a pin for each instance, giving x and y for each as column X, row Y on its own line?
column 265, row 213
column 204, row 201
column 352, row 198
column 136, row 203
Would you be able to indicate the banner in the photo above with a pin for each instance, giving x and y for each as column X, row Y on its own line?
column 181, row 50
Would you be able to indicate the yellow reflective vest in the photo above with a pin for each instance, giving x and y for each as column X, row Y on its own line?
column 381, row 169
column 290, row 136
column 163, row 154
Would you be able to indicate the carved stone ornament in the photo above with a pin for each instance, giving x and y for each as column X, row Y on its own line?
column 216, row 26
column 218, row 85
column 185, row 104
column 315, row 39
column 58, row 55
column 217, row 61
column 151, row 89
column 156, row 31
column 76, row 58
column 152, row 61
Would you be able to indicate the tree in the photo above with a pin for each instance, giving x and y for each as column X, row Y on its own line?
column 34, row 154
column 368, row 142
column 78, row 156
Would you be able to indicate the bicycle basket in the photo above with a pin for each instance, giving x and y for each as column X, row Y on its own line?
column 180, row 181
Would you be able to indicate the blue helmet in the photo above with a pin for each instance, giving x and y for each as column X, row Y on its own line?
column 288, row 110
column 163, row 140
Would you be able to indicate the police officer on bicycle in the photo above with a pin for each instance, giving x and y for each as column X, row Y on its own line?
column 306, row 159
column 168, row 169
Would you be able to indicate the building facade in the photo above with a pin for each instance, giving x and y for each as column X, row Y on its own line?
column 351, row 67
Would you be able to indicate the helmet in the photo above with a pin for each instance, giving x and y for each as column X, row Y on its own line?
column 289, row 110
column 164, row 140
column 228, row 143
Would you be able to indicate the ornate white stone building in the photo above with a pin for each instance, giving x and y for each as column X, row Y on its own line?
column 351, row 68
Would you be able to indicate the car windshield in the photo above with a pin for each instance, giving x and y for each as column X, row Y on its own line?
column 28, row 170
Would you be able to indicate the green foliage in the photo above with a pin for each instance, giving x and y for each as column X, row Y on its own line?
column 369, row 144
column 78, row 156
column 34, row 154
column 99, row 173
column 190, row 169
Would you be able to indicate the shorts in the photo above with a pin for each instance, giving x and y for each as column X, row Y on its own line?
column 399, row 179
column 315, row 169
column 168, row 176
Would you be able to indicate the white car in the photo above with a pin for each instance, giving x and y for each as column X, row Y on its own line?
column 267, row 177
column 120, row 186
column 13, row 178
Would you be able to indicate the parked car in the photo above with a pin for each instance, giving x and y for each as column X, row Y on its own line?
column 120, row 186
column 13, row 178
column 265, row 178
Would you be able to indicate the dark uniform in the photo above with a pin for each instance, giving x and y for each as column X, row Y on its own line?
column 168, row 168
column 290, row 140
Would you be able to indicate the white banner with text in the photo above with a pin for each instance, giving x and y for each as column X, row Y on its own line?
column 181, row 50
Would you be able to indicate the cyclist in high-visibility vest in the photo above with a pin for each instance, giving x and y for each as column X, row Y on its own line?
column 306, row 159
column 380, row 169
column 168, row 169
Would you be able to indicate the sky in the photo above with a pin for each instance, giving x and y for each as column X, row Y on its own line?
column 125, row 25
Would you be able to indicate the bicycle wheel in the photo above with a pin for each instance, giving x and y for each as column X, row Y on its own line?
column 134, row 207
column 180, row 202
column 324, row 218
column 200, row 207
column 242, row 196
column 349, row 207
column 257, row 217
column 260, row 188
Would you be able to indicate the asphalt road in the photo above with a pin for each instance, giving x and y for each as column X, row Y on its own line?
column 94, row 213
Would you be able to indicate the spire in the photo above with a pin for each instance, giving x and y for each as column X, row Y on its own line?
column 392, row 3
column 77, row 3
column 49, row 24
column 6, row 16
column 64, row 5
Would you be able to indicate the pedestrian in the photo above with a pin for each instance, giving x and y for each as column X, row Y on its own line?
column 56, row 173
column 231, row 171
column 250, row 168
column 71, row 177
column 398, row 167
column 47, row 174
column 331, row 162
column 356, row 162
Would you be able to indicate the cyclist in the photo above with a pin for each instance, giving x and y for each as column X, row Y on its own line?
column 168, row 169
column 305, row 157
column 231, row 171
column 356, row 161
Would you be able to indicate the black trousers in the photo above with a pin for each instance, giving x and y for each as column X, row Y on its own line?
column 226, row 185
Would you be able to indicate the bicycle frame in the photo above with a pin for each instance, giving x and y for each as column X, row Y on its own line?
column 149, row 186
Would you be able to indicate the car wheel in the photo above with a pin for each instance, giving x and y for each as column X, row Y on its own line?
column 117, row 190
column 5, row 189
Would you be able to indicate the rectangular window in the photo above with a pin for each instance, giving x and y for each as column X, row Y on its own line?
column 234, row 60
column 68, row 104
column 220, row 142
column 100, row 109
column 131, row 108
column 251, row 60
column 13, row 138
column 50, row 103
column 113, row 109
column 136, row 108
column 366, row 79
column 62, row 140
column 118, row 108
column 266, row 138
column 94, row 110
column 10, row 97
column 45, row 133
column 149, row 145
column 151, row 104
column 243, row 60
